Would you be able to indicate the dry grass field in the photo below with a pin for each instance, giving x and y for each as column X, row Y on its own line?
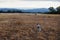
column 23, row 26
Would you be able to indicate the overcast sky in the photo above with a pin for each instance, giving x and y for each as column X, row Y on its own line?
column 30, row 0
column 29, row 3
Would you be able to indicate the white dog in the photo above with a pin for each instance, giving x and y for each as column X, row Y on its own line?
column 38, row 27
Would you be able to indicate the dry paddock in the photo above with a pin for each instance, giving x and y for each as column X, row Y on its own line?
column 23, row 26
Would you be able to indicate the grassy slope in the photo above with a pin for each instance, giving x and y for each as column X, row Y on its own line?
column 23, row 27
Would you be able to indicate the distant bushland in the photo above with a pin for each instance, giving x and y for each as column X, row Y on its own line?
column 53, row 10
column 50, row 10
column 8, row 10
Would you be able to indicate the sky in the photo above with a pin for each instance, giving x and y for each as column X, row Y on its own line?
column 28, row 4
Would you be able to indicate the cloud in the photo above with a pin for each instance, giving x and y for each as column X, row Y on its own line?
column 29, row 0
column 39, row 0
column 2, row 0
column 29, row 4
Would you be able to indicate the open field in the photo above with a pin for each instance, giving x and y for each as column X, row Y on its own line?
column 23, row 26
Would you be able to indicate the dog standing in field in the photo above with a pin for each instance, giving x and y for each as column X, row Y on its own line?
column 38, row 27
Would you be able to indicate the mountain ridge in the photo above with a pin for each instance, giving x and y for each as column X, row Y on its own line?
column 26, row 10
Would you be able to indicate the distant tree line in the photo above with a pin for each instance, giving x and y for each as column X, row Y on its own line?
column 10, row 11
column 53, row 10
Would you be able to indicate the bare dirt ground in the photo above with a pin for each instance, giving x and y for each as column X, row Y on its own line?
column 23, row 26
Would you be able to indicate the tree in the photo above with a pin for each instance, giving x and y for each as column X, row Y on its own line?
column 58, row 9
column 52, row 10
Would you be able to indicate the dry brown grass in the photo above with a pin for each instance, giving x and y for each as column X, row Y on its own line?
column 23, row 27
